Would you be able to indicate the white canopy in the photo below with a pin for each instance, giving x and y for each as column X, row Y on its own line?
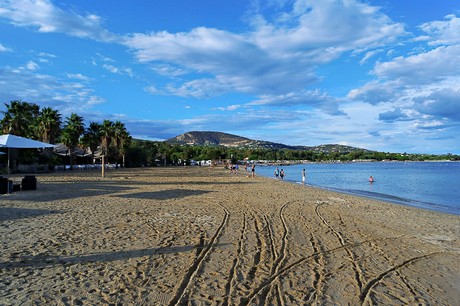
column 17, row 142
column 13, row 141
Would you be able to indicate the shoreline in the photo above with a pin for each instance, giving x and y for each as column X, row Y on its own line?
column 383, row 195
column 178, row 235
column 288, row 163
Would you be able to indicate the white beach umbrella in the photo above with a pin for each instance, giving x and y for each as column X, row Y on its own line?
column 16, row 142
column 13, row 141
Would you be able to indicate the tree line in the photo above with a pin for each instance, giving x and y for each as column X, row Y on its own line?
column 112, row 140
column 150, row 153
column 46, row 124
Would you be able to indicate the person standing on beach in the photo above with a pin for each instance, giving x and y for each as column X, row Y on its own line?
column 282, row 174
column 253, row 170
column 277, row 173
column 304, row 177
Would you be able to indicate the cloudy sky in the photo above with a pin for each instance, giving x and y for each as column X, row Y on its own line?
column 377, row 74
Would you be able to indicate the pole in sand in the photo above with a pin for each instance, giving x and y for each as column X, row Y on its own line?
column 103, row 165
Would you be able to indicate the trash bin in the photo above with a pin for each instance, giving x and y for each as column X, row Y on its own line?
column 4, row 182
column 29, row 182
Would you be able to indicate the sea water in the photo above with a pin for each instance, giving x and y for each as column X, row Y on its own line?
column 429, row 185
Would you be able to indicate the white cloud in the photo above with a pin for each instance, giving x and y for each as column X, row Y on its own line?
column 376, row 92
column 395, row 115
column 31, row 65
column 436, row 64
column 78, row 76
column 421, row 91
column 331, row 26
column 410, row 78
column 276, row 57
column 44, row 54
column 4, row 49
column 111, row 68
column 444, row 103
column 368, row 55
column 105, row 58
column 152, row 89
column 46, row 17
column 443, row 32
column 169, row 70
column 93, row 100
column 229, row 108
column 118, row 70
column 406, row 80
column 198, row 88
column 27, row 85
column 311, row 98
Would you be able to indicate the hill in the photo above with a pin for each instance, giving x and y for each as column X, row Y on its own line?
column 210, row 138
column 197, row 138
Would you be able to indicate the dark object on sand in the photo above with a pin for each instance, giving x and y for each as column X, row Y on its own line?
column 29, row 182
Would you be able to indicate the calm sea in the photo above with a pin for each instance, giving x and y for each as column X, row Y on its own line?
column 429, row 185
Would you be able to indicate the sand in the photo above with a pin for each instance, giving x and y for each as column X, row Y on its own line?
column 203, row 236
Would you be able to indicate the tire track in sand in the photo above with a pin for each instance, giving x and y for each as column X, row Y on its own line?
column 290, row 267
column 271, row 239
column 258, row 254
column 318, row 271
column 365, row 293
column 380, row 251
column 230, row 287
column 266, row 249
column 279, row 259
column 356, row 268
column 193, row 270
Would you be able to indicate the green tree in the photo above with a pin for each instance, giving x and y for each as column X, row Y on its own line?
column 48, row 124
column 71, row 133
column 107, row 134
column 20, row 119
column 122, row 139
column 92, row 137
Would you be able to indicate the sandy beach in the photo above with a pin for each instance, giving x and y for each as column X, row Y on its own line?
column 203, row 236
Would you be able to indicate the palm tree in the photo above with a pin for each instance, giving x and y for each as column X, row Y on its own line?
column 107, row 134
column 20, row 119
column 92, row 137
column 73, row 129
column 122, row 139
column 164, row 151
column 49, row 124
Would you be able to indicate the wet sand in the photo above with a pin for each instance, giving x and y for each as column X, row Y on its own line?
column 202, row 236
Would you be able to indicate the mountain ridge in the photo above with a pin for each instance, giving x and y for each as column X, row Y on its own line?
column 214, row 138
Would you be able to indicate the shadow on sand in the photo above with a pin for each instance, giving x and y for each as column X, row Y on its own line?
column 44, row 260
column 12, row 213
column 57, row 190
column 47, row 192
column 165, row 194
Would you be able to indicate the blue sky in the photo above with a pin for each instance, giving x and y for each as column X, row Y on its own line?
column 381, row 75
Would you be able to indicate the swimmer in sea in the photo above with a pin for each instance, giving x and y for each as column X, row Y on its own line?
column 371, row 179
